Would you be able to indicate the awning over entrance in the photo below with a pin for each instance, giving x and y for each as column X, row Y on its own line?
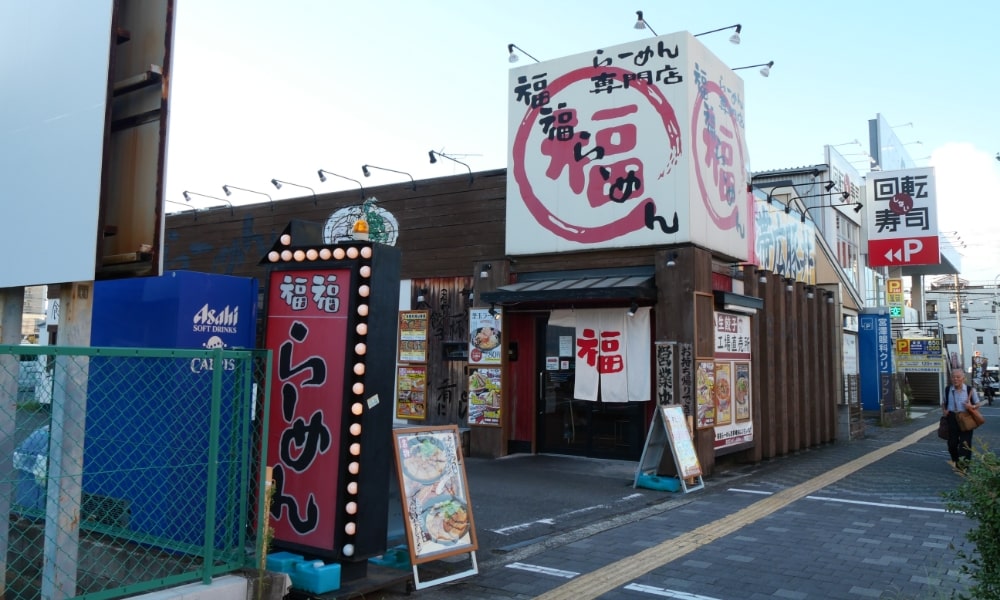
column 567, row 286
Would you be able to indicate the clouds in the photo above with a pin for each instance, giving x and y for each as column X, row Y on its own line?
column 968, row 191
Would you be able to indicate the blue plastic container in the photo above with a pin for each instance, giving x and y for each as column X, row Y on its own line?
column 315, row 577
column 656, row 482
column 283, row 562
column 393, row 558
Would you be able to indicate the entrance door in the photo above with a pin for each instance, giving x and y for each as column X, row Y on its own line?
column 580, row 427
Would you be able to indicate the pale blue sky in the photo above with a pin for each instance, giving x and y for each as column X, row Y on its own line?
column 264, row 89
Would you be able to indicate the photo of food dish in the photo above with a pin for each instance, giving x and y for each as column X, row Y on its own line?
column 705, row 404
column 425, row 460
column 723, row 395
column 486, row 338
column 742, row 392
column 445, row 519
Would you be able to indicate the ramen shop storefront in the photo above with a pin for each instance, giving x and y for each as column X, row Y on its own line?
column 582, row 375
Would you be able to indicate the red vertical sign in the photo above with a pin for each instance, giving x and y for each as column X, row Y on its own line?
column 307, row 324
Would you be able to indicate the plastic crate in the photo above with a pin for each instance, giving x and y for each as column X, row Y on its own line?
column 315, row 577
column 283, row 562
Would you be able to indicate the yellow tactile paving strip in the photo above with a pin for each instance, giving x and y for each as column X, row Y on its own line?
column 605, row 579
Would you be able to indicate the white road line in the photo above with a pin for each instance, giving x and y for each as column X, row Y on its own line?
column 827, row 499
column 542, row 570
column 551, row 520
column 648, row 589
column 742, row 491
column 880, row 504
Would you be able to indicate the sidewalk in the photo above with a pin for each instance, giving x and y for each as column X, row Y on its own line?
column 861, row 519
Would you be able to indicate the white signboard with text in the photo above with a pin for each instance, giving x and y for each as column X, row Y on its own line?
column 902, row 218
column 640, row 144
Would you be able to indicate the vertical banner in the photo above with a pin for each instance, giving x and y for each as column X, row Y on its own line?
column 874, row 358
column 664, row 366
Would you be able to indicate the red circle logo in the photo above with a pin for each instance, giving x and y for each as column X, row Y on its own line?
column 601, row 168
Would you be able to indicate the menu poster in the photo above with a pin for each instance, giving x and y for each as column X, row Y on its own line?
column 484, row 342
column 680, row 441
column 411, row 392
column 704, row 394
column 413, row 327
column 434, row 492
column 723, row 394
column 741, row 390
column 484, row 396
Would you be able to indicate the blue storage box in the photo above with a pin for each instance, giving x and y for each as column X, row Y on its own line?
column 313, row 576
column 283, row 562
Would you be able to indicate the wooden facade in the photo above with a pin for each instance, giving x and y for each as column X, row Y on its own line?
column 451, row 233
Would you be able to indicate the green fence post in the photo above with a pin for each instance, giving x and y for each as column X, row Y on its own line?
column 213, row 464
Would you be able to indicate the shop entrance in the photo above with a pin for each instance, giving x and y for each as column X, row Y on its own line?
column 566, row 425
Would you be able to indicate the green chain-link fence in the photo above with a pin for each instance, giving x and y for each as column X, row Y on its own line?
column 128, row 470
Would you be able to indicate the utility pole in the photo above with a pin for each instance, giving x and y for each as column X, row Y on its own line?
column 958, row 306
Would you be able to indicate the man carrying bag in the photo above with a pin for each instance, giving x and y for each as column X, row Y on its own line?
column 959, row 401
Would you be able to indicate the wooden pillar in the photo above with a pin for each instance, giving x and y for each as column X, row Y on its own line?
column 69, row 412
column 815, row 390
column 794, row 355
column 764, row 364
column 12, row 307
column 753, row 287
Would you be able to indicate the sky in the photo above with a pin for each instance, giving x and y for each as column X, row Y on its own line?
column 264, row 89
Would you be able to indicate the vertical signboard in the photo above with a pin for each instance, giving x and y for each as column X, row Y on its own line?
column 874, row 358
column 731, row 386
column 894, row 295
column 902, row 218
column 331, row 326
column 45, row 127
column 638, row 144
column 307, row 326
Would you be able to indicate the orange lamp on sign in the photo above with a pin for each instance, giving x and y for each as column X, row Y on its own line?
column 360, row 229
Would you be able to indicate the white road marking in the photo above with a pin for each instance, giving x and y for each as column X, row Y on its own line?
column 742, row 491
column 648, row 589
column 551, row 520
column 880, row 504
column 828, row 499
column 542, row 570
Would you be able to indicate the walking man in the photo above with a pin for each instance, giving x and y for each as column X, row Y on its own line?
column 958, row 397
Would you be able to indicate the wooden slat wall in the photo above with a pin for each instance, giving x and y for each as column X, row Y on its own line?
column 443, row 227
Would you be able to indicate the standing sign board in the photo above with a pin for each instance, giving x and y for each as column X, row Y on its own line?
column 331, row 326
column 437, row 511
column 902, row 218
column 670, row 428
